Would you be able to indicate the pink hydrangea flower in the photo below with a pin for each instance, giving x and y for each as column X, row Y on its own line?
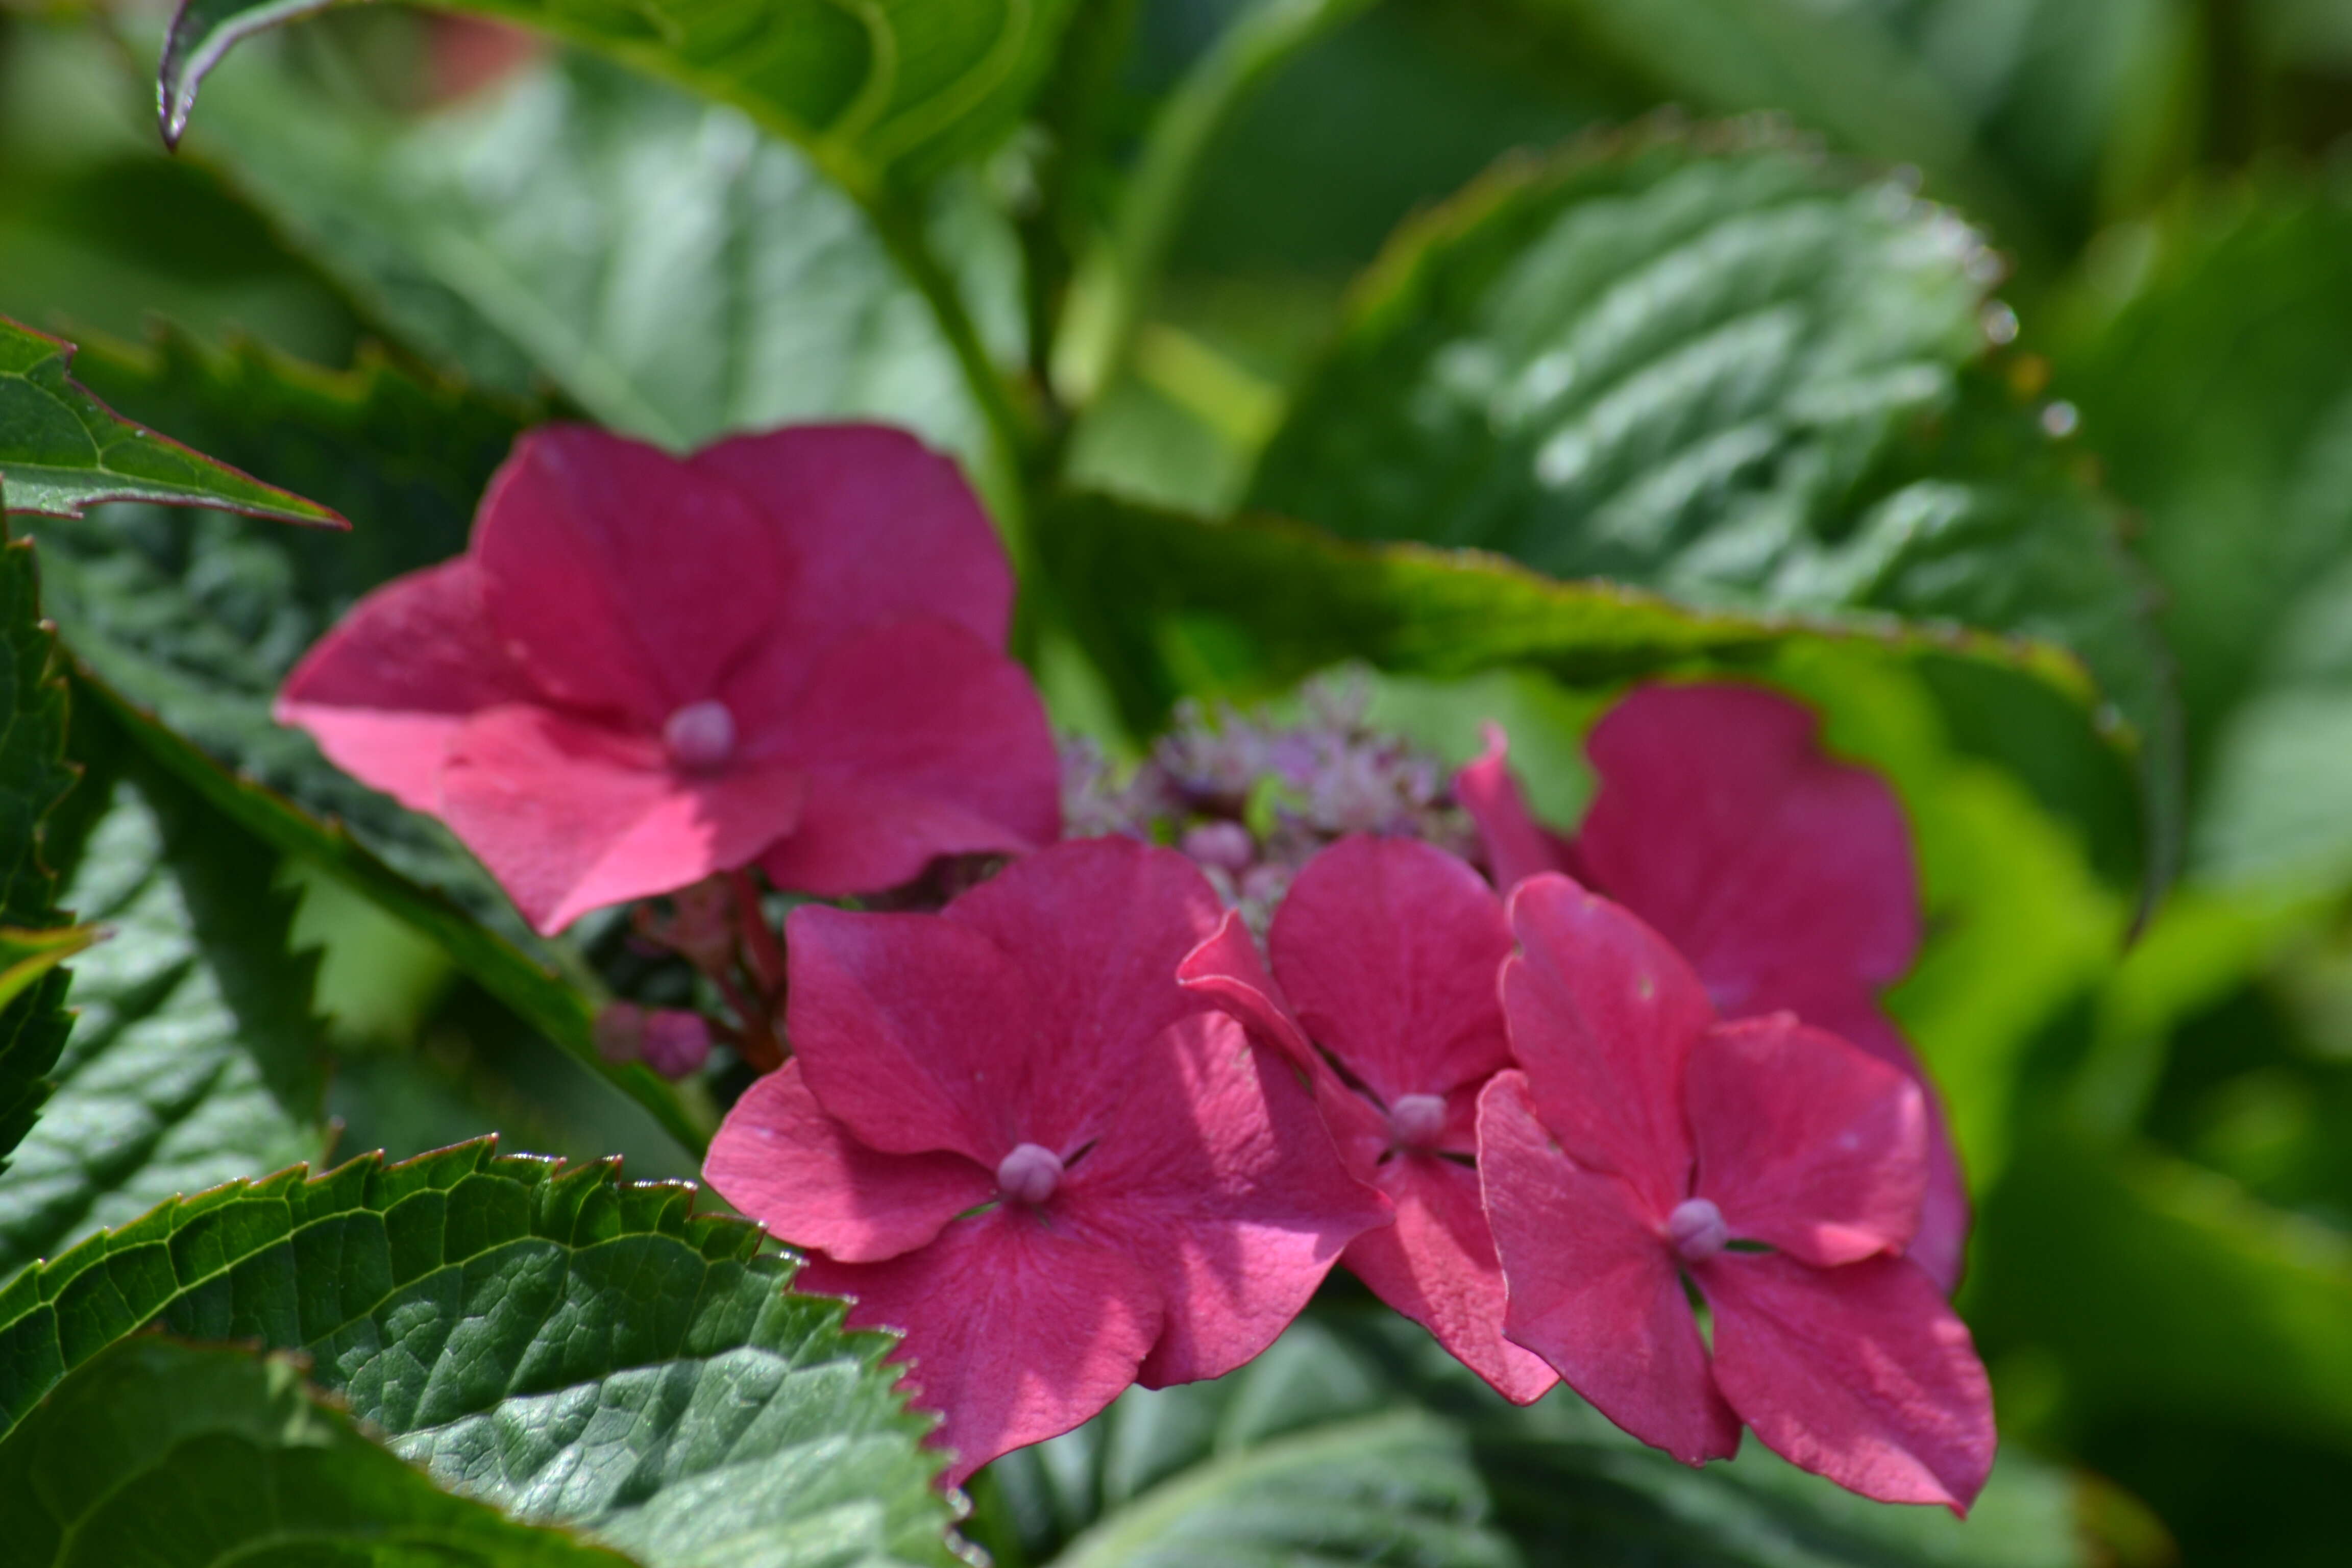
column 1010, row 1134
column 1785, row 877
column 786, row 647
column 1385, row 955
column 1776, row 1167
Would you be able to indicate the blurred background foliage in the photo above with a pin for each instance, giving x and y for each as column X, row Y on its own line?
column 403, row 236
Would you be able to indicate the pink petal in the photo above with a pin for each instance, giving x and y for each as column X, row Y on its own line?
column 1517, row 845
column 920, row 1033
column 1391, row 950
column 1604, row 1014
column 782, row 1161
column 570, row 817
column 1861, row 1374
column 1098, row 926
column 1215, row 1174
column 1720, row 822
column 1017, row 1332
column 1592, row 1288
column 1227, row 971
column 877, row 524
column 387, row 691
column 1436, row 1265
column 1940, row 1244
column 1805, row 1141
column 919, row 740
column 626, row 581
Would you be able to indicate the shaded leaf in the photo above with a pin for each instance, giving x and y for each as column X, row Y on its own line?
column 1717, row 366
column 61, row 450
column 1356, row 1440
column 568, row 1346
column 193, row 1058
column 675, row 272
column 26, row 955
column 891, row 83
column 218, row 1456
column 33, row 778
column 186, row 623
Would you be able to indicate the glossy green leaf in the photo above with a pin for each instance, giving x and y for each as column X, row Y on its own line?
column 568, row 1346
column 672, row 271
column 1719, row 367
column 2218, row 393
column 887, row 85
column 1355, row 1439
column 33, row 778
column 61, row 450
column 164, row 1453
column 193, row 1058
column 186, row 624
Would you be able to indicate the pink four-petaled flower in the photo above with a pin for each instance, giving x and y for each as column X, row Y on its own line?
column 1784, row 877
column 1777, row 1167
column 785, row 648
column 1008, row 1132
column 1385, row 954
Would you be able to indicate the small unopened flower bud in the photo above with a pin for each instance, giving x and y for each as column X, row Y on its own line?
column 620, row 1032
column 700, row 736
column 675, row 1043
column 1416, row 1119
column 1030, row 1173
column 1696, row 1230
column 1227, row 845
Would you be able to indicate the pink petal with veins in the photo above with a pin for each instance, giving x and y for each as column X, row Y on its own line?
column 918, row 741
column 387, row 690
column 779, row 1158
column 1015, row 1331
column 1593, row 1288
column 1227, row 972
column 1390, row 948
column 876, row 523
column 1437, row 1266
column 625, row 583
column 1805, row 1141
column 1602, row 1016
column 571, row 818
column 1861, row 1374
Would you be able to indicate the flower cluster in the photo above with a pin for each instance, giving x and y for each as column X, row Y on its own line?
column 1622, row 1111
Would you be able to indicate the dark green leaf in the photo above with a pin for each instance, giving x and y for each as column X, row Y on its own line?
column 891, row 84
column 26, row 955
column 673, row 271
column 159, row 1452
column 1717, row 366
column 193, row 1058
column 568, row 1346
column 1356, row 1440
column 33, row 778
column 61, row 450
column 2218, row 393
column 185, row 624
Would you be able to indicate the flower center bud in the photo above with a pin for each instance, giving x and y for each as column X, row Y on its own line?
column 1696, row 1229
column 1416, row 1119
column 700, row 736
column 1030, row 1173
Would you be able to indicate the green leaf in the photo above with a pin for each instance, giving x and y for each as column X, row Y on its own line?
column 673, row 271
column 185, row 624
column 26, row 955
column 1356, row 1440
column 891, row 85
column 2216, row 391
column 61, row 450
column 1717, row 366
column 33, row 778
column 212, row 1456
column 193, row 1058
column 568, row 1346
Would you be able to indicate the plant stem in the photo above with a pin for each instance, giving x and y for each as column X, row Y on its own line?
column 1014, row 429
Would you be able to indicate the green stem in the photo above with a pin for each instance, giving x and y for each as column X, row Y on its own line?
column 1014, row 429
column 1114, row 280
